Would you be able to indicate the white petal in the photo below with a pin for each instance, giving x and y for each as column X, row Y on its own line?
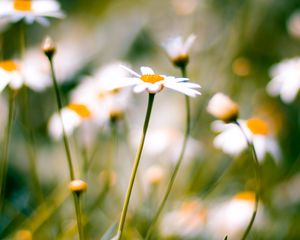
column 140, row 88
column 154, row 88
column 71, row 120
column 188, row 43
column 4, row 80
column 147, row 70
column 43, row 21
column 131, row 71
column 182, row 89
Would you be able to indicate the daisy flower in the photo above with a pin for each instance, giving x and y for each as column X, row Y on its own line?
column 9, row 73
column 285, row 79
column 92, row 104
column 30, row 10
column 187, row 221
column 22, row 73
column 232, row 141
column 232, row 216
column 178, row 49
column 72, row 116
column 154, row 83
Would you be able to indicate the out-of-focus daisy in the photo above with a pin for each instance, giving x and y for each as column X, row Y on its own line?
column 285, row 79
column 223, row 108
column 232, row 141
column 24, row 73
column 178, row 49
column 30, row 10
column 293, row 24
column 9, row 73
column 154, row 83
column 231, row 217
column 287, row 193
column 93, row 102
column 187, row 221
column 165, row 142
column 154, row 174
column 72, row 116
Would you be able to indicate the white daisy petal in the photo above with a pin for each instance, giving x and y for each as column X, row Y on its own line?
column 184, row 90
column 140, row 88
column 147, row 71
column 130, row 71
column 189, row 42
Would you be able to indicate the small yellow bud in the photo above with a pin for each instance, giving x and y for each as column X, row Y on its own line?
column 49, row 47
column 78, row 186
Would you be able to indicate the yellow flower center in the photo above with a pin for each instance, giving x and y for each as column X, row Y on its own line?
column 151, row 78
column 9, row 66
column 80, row 109
column 22, row 5
column 246, row 196
column 258, row 126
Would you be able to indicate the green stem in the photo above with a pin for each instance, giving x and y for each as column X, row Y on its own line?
column 59, row 107
column 77, row 202
column 67, row 149
column 177, row 166
column 258, row 176
column 135, row 166
column 4, row 162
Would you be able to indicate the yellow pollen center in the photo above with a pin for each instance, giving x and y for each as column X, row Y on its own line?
column 80, row 109
column 151, row 78
column 22, row 5
column 9, row 66
column 257, row 126
column 247, row 196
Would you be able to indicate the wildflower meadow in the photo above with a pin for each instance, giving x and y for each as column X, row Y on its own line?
column 145, row 120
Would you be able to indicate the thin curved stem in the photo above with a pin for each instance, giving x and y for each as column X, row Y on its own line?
column 258, row 177
column 59, row 107
column 67, row 149
column 77, row 198
column 4, row 162
column 177, row 166
column 135, row 167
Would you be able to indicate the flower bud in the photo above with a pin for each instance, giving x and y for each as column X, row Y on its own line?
column 78, row 186
column 223, row 108
column 49, row 47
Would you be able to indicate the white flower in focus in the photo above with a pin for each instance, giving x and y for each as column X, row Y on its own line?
column 154, row 83
column 30, row 10
column 223, row 108
column 187, row 221
column 71, row 116
column 232, row 141
column 231, row 217
column 178, row 49
column 285, row 79
column 9, row 74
